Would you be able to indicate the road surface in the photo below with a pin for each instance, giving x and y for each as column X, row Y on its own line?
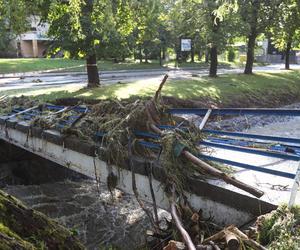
column 58, row 79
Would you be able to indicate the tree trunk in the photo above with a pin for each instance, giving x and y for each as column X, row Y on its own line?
column 140, row 54
column 214, row 49
column 207, row 56
column 213, row 61
column 160, row 57
column 192, row 54
column 287, row 55
column 146, row 55
column 250, row 53
column 92, row 71
column 164, row 52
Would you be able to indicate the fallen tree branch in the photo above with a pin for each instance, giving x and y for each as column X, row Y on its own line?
column 217, row 173
column 157, row 94
column 149, row 173
column 183, row 232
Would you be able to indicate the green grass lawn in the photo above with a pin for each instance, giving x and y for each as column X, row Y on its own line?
column 18, row 65
column 262, row 89
column 38, row 64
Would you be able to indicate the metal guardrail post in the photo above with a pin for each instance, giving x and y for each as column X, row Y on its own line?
column 295, row 188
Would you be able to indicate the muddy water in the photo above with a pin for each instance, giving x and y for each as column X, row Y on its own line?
column 98, row 218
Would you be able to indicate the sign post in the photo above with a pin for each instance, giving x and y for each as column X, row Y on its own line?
column 186, row 44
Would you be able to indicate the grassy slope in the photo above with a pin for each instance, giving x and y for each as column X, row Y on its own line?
column 262, row 89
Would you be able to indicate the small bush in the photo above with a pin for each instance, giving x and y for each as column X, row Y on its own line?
column 231, row 55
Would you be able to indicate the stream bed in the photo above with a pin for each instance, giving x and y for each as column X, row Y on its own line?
column 100, row 219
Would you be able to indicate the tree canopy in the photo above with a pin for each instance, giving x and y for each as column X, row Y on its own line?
column 145, row 29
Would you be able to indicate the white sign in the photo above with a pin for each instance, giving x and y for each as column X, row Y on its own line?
column 186, row 44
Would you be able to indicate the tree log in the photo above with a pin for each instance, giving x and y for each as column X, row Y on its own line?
column 27, row 227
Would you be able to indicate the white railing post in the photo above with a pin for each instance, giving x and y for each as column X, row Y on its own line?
column 295, row 187
column 205, row 119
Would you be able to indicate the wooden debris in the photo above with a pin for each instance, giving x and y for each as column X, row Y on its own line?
column 174, row 245
column 233, row 236
column 178, row 223
column 232, row 241
column 251, row 243
column 219, row 174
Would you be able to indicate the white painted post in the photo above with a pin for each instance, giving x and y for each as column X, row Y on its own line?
column 205, row 119
column 295, row 187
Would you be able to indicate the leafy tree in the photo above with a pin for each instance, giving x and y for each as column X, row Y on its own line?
column 83, row 26
column 146, row 14
column 14, row 20
column 286, row 28
column 258, row 15
column 220, row 24
column 118, row 42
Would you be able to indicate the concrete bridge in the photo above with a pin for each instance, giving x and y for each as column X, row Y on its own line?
column 225, row 204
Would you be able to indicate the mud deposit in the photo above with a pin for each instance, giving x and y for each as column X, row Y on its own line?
column 99, row 219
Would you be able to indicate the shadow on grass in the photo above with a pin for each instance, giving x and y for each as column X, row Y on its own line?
column 263, row 89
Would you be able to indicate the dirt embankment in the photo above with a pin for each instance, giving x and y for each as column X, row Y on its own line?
column 245, row 100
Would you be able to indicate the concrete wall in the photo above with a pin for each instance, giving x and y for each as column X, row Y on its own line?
column 26, row 48
column 276, row 59
column 33, row 48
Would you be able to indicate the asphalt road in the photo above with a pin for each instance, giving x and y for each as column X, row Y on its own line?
column 58, row 79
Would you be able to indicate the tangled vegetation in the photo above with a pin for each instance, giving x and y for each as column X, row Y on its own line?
column 8, row 104
column 280, row 229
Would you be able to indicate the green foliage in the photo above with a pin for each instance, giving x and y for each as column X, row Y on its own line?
column 83, row 26
column 14, row 20
column 231, row 55
column 285, row 28
column 257, row 15
column 280, row 229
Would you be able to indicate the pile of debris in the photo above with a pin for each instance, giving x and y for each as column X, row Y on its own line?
column 7, row 104
column 278, row 230
column 113, row 125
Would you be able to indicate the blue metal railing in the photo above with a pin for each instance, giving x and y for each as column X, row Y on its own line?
column 235, row 111
column 253, row 136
